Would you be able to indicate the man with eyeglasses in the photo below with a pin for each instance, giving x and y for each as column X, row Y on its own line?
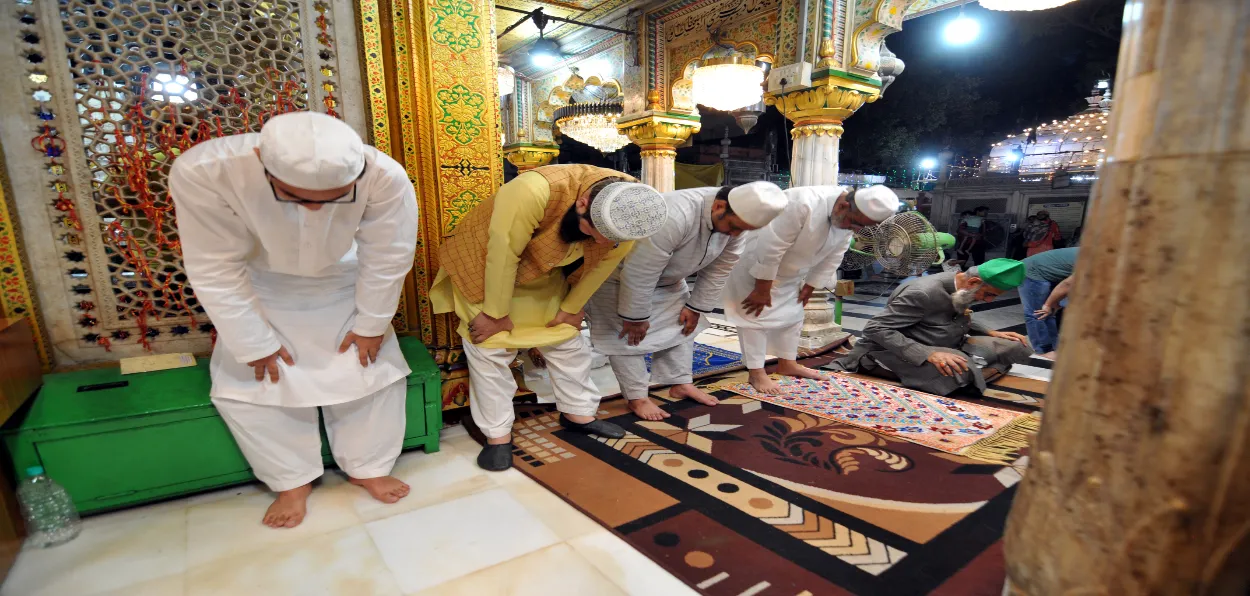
column 784, row 263
column 297, row 240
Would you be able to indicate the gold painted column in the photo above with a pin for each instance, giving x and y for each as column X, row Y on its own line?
column 527, row 156
column 1139, row 482
column 818, row 113
column 659, row 134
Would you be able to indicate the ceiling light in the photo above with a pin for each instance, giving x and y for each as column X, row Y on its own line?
column 593, row 124
column 544, row 53
column 962, row 30
column 728, row 83
column 1014, row 5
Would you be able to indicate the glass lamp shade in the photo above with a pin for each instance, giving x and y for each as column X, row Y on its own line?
column 593, row 124
column 1013, row 5
column 728, row 83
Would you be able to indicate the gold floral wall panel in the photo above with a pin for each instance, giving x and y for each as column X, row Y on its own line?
column 102, row 97
column 433, row 101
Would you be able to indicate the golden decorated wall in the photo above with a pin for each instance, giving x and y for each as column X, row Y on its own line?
column 433, row 105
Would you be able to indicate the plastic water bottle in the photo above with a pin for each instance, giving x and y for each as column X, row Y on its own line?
column 51, row 517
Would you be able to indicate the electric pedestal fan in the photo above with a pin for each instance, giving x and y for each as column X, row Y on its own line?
column 905, row 245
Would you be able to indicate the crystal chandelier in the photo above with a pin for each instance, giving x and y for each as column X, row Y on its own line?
column 593, row 123
column 1023, row 4
column 728, row 83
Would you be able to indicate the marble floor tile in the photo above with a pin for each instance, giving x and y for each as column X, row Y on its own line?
column 434, row 478
column 553, row 571
column 231, row 526
column 113, row 551
column 434, row 545
column 563, row 519
column 339, row 563
column 171, row 585
column 629, row 569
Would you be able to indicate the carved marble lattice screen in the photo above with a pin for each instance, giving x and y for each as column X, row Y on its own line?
column 111, row 91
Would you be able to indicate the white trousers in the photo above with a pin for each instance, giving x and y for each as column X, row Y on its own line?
column 492, row 387
column 283, row 445
column 672, row 366
column 758, row 343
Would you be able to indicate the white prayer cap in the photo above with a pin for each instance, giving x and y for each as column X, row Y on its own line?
column 311, row 151
column 628, row 211
column 757, row 203
column 877, row 202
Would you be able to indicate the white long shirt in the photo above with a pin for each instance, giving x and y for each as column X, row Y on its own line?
column 650, row 285
column 234, row 231
column 800, row 246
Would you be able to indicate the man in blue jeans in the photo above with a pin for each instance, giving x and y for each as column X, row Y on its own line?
column 1042, row 272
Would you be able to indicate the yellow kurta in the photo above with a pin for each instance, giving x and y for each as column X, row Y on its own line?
column 519, row 208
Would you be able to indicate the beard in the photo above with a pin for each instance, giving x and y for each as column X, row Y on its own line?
column 962, row 299
column 570, row 226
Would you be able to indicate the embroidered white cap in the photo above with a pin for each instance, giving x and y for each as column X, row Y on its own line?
column 877, row 202
column 757, row 203
column 312, row 151
column 628, row 211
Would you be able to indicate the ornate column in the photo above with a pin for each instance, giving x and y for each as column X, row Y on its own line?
column 1139, row 481
column 817, row 113
column 659, row 134
column 526, row 156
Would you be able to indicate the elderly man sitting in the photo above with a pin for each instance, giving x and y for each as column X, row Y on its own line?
column 923, row 335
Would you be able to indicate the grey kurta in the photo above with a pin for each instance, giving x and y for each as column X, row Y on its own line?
column 650, row 285
column 918, row 320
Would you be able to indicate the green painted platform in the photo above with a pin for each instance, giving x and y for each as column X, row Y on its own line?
column 115, row 441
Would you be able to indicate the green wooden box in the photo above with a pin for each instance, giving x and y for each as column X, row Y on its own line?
column 114, row 441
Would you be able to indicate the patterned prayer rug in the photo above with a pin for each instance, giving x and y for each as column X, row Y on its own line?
column 946, row 424
column 710, row 360
column 749, row 497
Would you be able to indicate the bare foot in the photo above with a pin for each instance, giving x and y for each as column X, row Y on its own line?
column 791, row 368
column 1048, row 355
column 689, row 390
column 387, row 489
column 288, row 510
column 646, row 409
column 760, row 381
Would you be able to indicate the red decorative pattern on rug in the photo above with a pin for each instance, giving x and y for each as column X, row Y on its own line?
column 946, row 424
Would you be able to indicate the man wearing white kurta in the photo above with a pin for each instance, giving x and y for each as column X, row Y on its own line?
column 785, row 262
column 646, row 307
column 297, row 241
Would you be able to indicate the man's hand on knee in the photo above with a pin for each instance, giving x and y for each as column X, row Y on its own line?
column 948, row 364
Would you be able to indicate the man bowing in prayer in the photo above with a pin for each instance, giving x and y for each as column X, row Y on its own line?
column 518, row 270
column 785, row 262
column 297, row 241
column 646, row 307
column 922, row 338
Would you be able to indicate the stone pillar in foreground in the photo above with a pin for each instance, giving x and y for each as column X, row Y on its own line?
column 1139, row 482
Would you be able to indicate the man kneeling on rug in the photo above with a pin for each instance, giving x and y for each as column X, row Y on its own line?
column 517, row 271
column 646, row 307
column 922, row 338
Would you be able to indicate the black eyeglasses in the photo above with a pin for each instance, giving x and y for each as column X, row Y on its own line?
column 285, row 197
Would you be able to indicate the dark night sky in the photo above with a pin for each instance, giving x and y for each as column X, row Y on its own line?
column 1032, row 67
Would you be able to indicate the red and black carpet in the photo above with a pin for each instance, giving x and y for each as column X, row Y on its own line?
column 751, row 498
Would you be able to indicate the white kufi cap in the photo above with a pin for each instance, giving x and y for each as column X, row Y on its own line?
column 311, row 151
column 877, row 202
column 628, row 211
column 757, row 203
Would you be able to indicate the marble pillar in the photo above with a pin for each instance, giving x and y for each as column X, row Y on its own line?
column 815, row 159
column 659, row 168
column 1139, row 482
column 659, row 134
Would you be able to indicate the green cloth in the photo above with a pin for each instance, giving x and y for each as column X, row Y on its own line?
column 1053, row 266
column 1004, row 274
column 697, row 176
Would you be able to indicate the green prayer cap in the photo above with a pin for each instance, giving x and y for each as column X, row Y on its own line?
column 1004, row 274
